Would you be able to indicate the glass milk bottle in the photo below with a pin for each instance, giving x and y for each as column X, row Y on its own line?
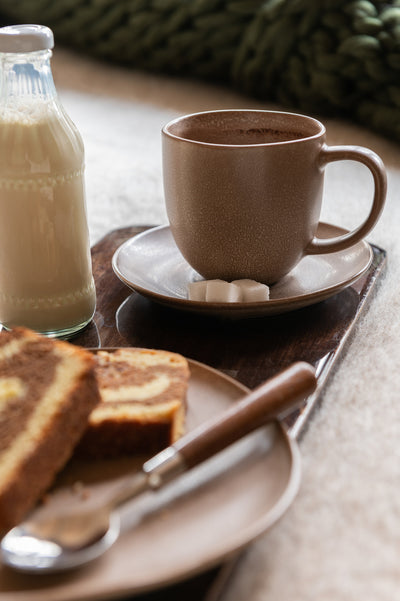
column 46, row 280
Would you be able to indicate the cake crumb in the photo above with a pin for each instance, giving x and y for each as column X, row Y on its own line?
column 79, row 489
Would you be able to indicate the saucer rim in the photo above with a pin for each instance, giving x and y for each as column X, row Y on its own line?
column 287, row 303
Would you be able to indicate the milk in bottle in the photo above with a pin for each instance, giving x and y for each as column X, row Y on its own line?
column 46, row 278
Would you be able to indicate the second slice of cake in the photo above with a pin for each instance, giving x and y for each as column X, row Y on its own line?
column 143, row 401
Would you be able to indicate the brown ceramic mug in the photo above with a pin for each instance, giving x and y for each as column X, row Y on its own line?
column 243, row 191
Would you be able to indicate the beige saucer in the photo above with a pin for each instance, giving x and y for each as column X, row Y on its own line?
column 191, row 525
column 151, row 264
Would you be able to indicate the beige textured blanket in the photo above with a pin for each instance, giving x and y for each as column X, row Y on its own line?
column 340, row 541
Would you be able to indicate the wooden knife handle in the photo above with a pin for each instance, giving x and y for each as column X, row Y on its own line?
column 260, row 406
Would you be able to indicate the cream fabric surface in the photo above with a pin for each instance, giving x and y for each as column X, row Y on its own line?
column 340, row 540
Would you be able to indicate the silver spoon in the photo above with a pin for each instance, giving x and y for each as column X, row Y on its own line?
column 49, row 542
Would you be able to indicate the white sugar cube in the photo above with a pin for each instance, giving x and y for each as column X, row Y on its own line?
column 197, row 290
column 252, row 291
column 219, row 291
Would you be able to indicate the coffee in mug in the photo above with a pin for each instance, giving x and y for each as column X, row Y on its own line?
column 243, row 191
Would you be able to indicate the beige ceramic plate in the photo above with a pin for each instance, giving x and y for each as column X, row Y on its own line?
column 150, row 263
column 193, row 524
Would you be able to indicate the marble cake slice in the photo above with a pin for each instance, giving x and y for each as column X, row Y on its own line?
column 143, row 403
column 48, row 389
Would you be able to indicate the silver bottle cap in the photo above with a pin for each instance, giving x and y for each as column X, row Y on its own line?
column 25, row 38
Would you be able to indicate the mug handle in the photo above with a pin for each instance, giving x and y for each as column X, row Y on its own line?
column 375, row 165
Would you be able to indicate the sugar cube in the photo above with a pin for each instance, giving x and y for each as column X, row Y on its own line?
column 197, row 290
column 219, row 291
column 252, row 291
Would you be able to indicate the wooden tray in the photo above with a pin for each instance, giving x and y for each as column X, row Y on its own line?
column 250, row 350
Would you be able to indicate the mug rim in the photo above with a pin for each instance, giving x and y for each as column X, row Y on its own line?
column 181, row 118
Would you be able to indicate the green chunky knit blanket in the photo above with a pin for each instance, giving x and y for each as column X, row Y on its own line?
column 332, row 57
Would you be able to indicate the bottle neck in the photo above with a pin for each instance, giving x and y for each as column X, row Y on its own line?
column 26, row 77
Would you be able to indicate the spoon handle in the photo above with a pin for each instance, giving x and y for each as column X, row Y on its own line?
column 255, row 409
column 264, row 403
column 260, row 406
